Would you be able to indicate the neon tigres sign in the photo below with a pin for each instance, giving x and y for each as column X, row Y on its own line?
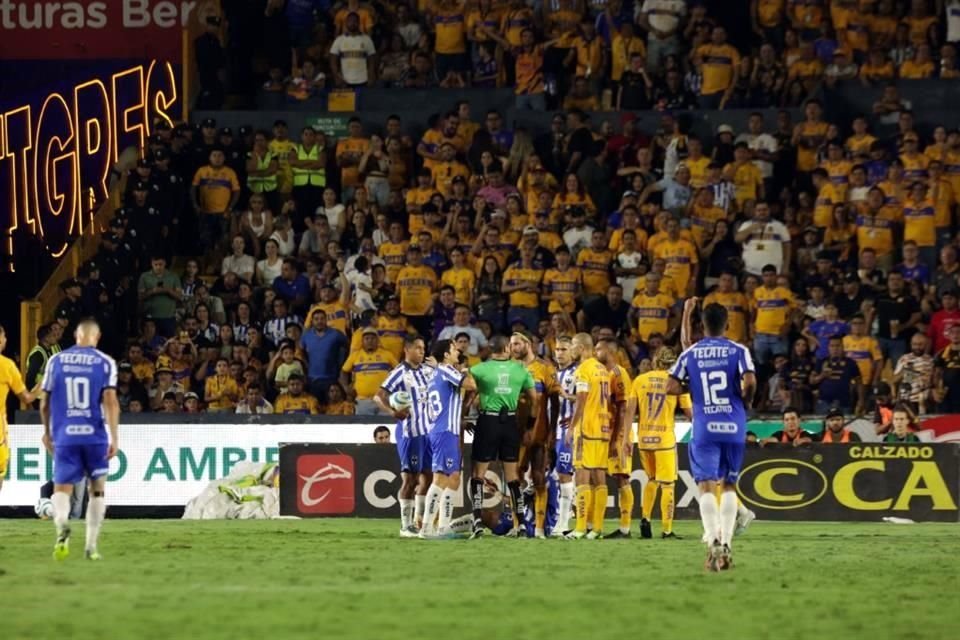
column 55, row 159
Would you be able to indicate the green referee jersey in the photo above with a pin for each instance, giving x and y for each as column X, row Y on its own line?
column 500, row 383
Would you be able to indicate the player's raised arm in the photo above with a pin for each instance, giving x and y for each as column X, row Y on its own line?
column 686, row 323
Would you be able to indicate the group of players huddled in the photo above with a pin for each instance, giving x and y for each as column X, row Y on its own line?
column 563, row 427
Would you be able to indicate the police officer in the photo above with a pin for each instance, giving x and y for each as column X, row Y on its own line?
column 500, row 383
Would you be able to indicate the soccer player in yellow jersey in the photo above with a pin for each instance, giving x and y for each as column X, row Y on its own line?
column 620, row 462
column 369, row 367
column 736, row 304
column 10, row 382
column 773, row 309
column 652, row 310
column 538, row 434
column 682, row 263
column 561, row 285
column 656, row 438
column 294, row 400
column 591, row 433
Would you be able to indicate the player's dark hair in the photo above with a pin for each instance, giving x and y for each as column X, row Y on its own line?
column 439, row 349
column 715, row 319
column 499, row 344
column 411, row 340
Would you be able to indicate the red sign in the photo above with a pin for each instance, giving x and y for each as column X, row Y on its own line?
column 103, row 29
column 325, row 484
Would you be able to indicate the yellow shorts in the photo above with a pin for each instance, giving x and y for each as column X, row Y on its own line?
column 4, row 459
column 619, row 465
column 660, row 465
column 590, row 454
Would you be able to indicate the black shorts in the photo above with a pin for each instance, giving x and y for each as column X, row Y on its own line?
column 496, row 438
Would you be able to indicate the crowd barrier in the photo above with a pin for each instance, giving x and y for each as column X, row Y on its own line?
column 820, row 482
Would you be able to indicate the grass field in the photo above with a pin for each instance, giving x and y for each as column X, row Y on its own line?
column 356, row 579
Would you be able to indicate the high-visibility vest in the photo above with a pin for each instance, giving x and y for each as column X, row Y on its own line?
column 261, row 184
column 313, row 177
column 46, row 356
column 828, row 436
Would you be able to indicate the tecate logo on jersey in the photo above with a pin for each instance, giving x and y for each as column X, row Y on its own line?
column 325, row 484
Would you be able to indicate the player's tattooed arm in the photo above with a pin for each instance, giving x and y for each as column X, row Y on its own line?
column 749, row 387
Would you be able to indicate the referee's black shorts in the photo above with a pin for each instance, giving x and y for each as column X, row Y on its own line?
column 496, row 438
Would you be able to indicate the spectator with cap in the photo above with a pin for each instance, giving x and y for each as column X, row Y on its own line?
column 70, row 308
column 164, row 384
column 365, row 370
column 191, row 403
column 834, row 431
column 128, row 388
column 850, row 301
column 792, row 434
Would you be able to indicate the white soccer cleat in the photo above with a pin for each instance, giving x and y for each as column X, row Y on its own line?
column 744, row 518
column 557, row 533
column 594, row 535
column 409, row 532
column 575, row 535
column 539, row 534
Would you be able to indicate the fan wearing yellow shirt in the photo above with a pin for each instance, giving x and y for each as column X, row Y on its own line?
column 594, row 263
column 446, row 168
column 591, row 432
column 697, row 163
column 450, row 37
column 667, row 284
column 392, row 327
column 521, row 283
column 878, row 68
column 919, row 67
column 809, row 136
column 394, row 251
column 808, row 69
column 337, row 307
column 294, row 400
column 652, row 310
column 461, row 278
column 720, row 64
column 943, row 197
column 747, row 177
column 220, row 390
column 827, row 197
column 429, row 146
column 624, row 45
column 704, row 214
column 10, row 382
column 655, row 411
column 367, row 17
column 416, row 284
column 919, row 224
column 631, row 222
column 736, row 304
column 914, row 163
column 680, row 256
column 773, row 308
column 861, row 140
column 368, row 367
column 864, row 351
column 562, row 284
column 349, row 150
column 280, row 148
column 806, row 15
column 875, row 224
column 838, row 169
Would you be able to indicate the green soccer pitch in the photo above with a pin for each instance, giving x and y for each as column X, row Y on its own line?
column 356, row 579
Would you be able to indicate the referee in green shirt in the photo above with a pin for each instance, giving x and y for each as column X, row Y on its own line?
column 500, row 381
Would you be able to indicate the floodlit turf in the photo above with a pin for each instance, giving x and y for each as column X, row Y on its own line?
column 355, row 579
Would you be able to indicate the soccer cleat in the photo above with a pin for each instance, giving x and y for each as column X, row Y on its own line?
column 92, row 555
column 556, row 533
column 409, row 532
column 710, row 564
column 575, row 535
column 619, row 535
column 743, row 521
column 539, row 534
column 62, row 548
column 646, row 531
column 724, row 558
column 669, row 536
column 714, row 553
column 594, row 535
column 477, row 530
column 516, row 532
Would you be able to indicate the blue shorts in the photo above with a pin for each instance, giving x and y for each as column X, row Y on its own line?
column 564, row 457
column 445, row 451
column 711, row 460
column 73, row 463
column 414, row 453
column 504, row 524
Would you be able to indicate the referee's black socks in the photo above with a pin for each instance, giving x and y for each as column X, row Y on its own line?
column 476, row 494
column 516, row 501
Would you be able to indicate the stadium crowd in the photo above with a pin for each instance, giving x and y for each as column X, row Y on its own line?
column 262, row 271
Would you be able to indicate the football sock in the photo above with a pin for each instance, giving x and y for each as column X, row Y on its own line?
column 420, row 504
column 728, row 516
column 666, row 506
column 96, row 510
column 516, row 502
column 446, row 508
column 584, row 505
column 476, row 496
column 433, row 506
column 599, row 507
column 61, row 509
column 709, row 515
column 540, row 508
column 626, row 507
column 648, row 499
column 406, row 512
column 567, row 491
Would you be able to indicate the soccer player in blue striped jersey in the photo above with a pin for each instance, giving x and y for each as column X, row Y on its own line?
column 412, row 376
column 79, row 406
column 722, row 381
column 445, row 403
column 567, row 361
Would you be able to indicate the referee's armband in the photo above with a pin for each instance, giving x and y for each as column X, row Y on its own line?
column 582, row 386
